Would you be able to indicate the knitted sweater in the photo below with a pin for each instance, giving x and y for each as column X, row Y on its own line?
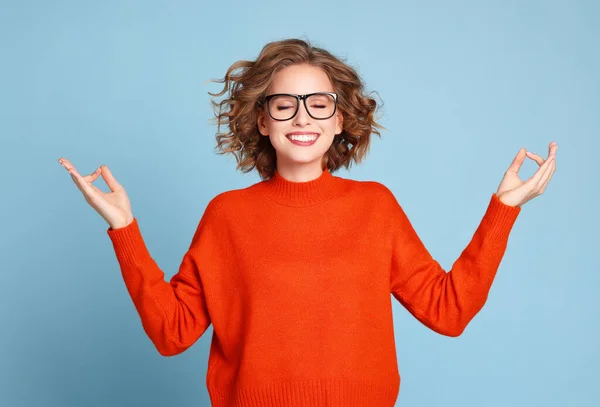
column 297, row 280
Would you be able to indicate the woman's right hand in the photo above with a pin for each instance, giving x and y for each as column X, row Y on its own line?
column 114, row 206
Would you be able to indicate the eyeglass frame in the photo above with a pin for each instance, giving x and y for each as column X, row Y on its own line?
column 302, row 98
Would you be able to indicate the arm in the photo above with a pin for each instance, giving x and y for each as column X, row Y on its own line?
column 173, row 314
column 447, row 301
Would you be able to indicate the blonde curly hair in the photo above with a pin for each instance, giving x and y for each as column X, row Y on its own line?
column 247, row 89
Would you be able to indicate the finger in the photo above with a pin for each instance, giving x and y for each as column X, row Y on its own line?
column 535, row 179
column 552, row 149
column 81, row 183
column 67, row 165
column 518, row 161
column 109, row 178
column 88, row 179
column 547, row 177
column 538, row 159
column 547, row 170
column 93, row 176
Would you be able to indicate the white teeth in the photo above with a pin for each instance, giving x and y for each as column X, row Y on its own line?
column 302, row 137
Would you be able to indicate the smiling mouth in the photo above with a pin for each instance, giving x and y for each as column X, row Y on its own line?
column 303, row 138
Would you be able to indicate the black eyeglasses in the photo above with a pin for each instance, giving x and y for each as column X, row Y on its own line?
column 284, row 106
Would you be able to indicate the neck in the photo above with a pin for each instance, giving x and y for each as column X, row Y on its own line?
column 302, row 193
column 300, row 172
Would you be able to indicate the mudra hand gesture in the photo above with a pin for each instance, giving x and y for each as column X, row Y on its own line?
column 515, row 192
column 114, row 206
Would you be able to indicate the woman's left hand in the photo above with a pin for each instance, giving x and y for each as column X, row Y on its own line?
column 514, row 192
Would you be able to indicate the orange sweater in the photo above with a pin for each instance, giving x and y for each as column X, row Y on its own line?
column 297, row 280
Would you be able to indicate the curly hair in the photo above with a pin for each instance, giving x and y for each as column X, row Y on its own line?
column 248, row 87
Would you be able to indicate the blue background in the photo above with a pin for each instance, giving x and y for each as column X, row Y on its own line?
column 465, row 84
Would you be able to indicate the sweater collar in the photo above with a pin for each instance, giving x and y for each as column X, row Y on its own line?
column 291, row 193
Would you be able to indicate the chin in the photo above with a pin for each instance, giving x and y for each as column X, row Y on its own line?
column 305, row 158
column 301, row 155
column 302, row 160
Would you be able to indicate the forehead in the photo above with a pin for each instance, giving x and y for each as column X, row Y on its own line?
column 301, row 79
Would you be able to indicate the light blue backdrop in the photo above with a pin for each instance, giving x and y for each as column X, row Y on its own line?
column 465, row 84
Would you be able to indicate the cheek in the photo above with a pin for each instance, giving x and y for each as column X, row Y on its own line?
column 273, row 126
column 329, row 127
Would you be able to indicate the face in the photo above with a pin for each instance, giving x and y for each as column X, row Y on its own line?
column 294, row 158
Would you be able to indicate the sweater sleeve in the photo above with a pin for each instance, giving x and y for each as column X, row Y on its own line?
column 447, row 301
column 173, row 314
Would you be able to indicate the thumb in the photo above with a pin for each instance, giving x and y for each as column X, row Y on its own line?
column 518, row 161
column 109, row 178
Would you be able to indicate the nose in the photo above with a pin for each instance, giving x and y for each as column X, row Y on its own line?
column 302, row 118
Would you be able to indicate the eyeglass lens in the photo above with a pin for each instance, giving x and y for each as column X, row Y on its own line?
column 320, row 106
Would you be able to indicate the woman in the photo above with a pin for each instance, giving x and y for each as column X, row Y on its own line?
column 295, row 272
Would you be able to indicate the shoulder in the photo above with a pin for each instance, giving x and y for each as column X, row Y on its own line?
column 226, row 201
column 373, row 190
column 230, row 205
column 376, row 195
column 219, row 211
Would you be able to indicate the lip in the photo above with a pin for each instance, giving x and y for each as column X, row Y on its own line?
column 302, row 143
column 300, row 133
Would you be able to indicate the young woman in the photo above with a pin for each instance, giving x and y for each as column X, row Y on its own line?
column 296, row 272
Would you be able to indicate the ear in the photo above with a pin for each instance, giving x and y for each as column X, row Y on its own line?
column 260, row 122
column 339, row 125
